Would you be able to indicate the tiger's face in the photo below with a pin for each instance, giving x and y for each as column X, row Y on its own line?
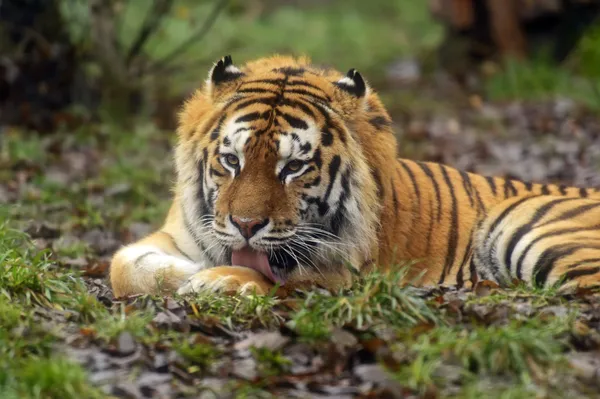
column 270, row 171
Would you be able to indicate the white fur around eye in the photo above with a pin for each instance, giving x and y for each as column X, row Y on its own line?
column 291, row 176
column 232, row 169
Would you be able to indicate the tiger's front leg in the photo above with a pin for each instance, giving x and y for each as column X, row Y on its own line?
column 227, row 279
column 245, row 280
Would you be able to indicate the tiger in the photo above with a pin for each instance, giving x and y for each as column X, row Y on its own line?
column 287, row 177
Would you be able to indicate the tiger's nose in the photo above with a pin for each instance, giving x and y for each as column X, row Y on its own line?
column 248, row 226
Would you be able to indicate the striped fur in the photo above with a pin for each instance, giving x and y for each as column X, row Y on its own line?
column 312, row 153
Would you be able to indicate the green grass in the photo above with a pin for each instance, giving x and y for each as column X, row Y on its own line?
column 376, row 300
column 513, row 359
column 535, row 296
column 201, row 355
column 537, row 78
column 519, row 349
column 28, row 369
column 236, row 311
column 270, row 363
column 540, row 80
column 131, row 184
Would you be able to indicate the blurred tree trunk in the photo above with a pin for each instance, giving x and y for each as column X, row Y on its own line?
column 510, row 27
column 38, row 65
column 120, row 90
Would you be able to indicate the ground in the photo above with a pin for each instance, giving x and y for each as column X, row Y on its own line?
column 69, row 199
column 80, row 195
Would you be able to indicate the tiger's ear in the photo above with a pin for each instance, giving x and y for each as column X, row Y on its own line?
column 221, row 77
column 353, row 83
column 351, row 96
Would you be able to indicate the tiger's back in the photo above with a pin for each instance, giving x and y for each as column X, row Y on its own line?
column 451, row 220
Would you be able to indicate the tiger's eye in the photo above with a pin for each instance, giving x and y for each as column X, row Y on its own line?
column 232, row 160
column 294, row 166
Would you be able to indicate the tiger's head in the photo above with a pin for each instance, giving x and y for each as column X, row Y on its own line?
column 274, row 166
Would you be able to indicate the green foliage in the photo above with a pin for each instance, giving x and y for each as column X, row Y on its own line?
column 535, row 296
column 519, row 348
column 587, row 54
column 113, row 324
column 27, row 275
column 27, row 279
column 538, row 79
column 236, row 311
column 376, row 300
column 202, row 355
column 47, row 378
column 331, row 33
column 270, row 363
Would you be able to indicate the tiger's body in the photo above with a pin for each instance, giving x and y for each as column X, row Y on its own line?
column 286, row 172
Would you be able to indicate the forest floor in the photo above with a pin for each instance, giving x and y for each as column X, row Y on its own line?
column 80, row 195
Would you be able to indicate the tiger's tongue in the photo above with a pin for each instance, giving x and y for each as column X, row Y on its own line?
column 256, row 260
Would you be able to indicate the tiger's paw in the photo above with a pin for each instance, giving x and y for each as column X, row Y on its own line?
column 227, row 279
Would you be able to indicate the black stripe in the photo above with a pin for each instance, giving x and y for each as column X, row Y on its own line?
column 326, row 138
column 436, row 188
column 480, row 205
column 573, row 274
column 459, row 275
column 329, row 124
column 268, row 101
column 430, row 228
column 525, row 228
column 550, row 256
column 241, row 129
column 453, row 233
column 573, row 213
column 252, row 117
column 294, row 122
column 380, row 122
column 508, row 186
column 201, row 182
column 338, row 220
column 468, row 186
column 473, row 269
column 545, row 189
column 546, row 235
column 491, row 183
column 583, row 192
column 177, row 246
column 334, row 167
column 217, row 130
column 413, row 181
column 215, row 172
column 290, row 71
column 195, row 237
column 276, row 82
column 581, row 262
column 307, row 93
column 528, row 186
column 294, row 83
column 256, row 90
column 298, row 104
column 377, row 178
column 505, row 213
column 562, row 189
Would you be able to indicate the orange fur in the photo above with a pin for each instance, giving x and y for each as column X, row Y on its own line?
column 381, row 210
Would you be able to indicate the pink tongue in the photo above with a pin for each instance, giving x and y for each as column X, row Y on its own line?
column 255, row 260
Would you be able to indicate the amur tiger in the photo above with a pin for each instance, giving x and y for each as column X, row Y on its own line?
column 287, row 173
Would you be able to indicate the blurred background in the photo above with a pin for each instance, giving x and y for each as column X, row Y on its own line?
column 89, row 91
